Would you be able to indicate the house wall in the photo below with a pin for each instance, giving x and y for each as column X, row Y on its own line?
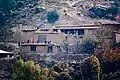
column 55, row 38
column 90, row 33
column 39, row 49
column 27, row 36
column 108, row 32
column 117, row 38
column 25, row 49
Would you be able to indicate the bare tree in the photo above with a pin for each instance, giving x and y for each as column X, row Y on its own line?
column 74, row 48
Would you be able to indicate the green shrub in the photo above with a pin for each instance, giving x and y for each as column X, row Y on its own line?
column 52, row 17
column 30, row 71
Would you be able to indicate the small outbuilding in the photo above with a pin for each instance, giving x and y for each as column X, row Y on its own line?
column 4, row 54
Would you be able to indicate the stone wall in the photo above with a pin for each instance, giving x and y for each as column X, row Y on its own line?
column 55, row 57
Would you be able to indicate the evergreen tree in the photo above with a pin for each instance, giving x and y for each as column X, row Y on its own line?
column 52, row 17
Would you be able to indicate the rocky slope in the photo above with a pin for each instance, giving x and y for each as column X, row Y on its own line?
column 72, row 12
column 33, row 13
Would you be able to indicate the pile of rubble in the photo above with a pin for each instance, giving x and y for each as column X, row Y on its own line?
column 6, row 66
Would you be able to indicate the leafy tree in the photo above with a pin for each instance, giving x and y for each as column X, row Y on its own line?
column 30, row 71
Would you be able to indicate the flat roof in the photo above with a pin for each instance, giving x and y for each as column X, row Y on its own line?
column 46, row 32
column 91, row 26
column 63, row 27
column 118, row 32
column 5, row 52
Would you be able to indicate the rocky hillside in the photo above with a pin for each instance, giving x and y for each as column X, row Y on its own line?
column 71, row 12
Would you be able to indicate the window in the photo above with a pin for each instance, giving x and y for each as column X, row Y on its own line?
column 33, row 48
column 74, row 31
column 71, row 32
column 81, row 32
column 41, row 38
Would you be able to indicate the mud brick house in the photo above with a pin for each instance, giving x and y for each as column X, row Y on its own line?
column 4, row 54
column 48, row 40
column 45, row 40
column 108, row 32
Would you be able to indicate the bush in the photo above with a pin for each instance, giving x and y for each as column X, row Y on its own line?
column 110, row 62
column 52, row 17
column 30, row 71
column 88, row 46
